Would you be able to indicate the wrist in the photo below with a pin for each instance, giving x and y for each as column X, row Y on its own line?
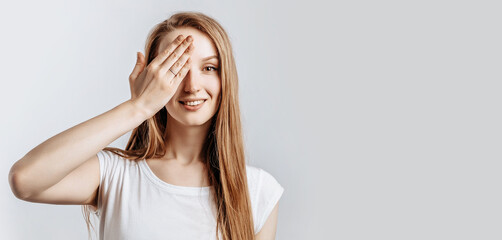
column 139, row 110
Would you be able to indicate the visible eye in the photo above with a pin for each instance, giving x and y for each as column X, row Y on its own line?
column 210, row 67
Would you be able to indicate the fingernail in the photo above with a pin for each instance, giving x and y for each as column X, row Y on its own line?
column 189, row 38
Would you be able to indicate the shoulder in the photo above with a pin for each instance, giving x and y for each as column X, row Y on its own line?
column 108, row 160
column 257, row 177
column 107, row 156
column 253, row 174
column 112, row 158
column 264, row 192
column 111, row 163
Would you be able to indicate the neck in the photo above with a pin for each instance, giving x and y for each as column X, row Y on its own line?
column 184, row 143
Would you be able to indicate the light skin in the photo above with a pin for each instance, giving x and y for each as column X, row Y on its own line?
column 54, row 171
column 182, row 164
column 268, row 230
column 187, row 130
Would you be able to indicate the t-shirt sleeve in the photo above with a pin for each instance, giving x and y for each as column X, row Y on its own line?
column 108, row 163
column 269, row 193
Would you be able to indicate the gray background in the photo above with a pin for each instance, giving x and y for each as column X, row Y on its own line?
column 381, row 119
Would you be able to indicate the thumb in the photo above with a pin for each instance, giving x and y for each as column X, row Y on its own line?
column 140, row 58
column 139, row 67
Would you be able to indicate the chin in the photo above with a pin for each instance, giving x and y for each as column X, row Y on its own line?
column 194, row 122
column 191, row 119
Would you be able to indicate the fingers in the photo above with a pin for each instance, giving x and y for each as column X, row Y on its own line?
column 139, row 67
column 180, row 62
column 181, row 73
column 177, row 59
column 168, row 51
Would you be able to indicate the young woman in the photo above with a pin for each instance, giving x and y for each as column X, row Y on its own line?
column 182, row 174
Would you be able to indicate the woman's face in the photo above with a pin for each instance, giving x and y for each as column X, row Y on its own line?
column 201, row 82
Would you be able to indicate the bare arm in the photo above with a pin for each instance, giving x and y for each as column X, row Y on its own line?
column 268, row 230
column 64, row 169
column 52, row 160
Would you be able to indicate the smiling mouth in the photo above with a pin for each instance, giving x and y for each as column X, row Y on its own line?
column 192, row 103
column 193, row 106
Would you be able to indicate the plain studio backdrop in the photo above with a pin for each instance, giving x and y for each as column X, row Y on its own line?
column 381, row 119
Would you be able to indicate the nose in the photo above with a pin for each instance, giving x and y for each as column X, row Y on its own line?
column 191, row 82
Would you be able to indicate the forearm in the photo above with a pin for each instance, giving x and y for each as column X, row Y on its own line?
column 52, row 160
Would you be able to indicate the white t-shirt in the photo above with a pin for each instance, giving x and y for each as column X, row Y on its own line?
column 133, row 203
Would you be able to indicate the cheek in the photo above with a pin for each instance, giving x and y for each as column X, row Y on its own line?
column 214, row 87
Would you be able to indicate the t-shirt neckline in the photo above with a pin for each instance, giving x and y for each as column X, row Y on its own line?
column 170, row 187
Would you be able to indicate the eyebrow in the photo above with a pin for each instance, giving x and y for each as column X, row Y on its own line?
column 210, row 57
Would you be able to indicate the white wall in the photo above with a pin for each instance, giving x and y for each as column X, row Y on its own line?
column 380, row 118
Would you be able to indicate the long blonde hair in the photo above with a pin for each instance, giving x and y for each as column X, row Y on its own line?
column 224, row 149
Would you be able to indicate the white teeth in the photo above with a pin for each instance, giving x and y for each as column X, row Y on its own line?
column 194, row 103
